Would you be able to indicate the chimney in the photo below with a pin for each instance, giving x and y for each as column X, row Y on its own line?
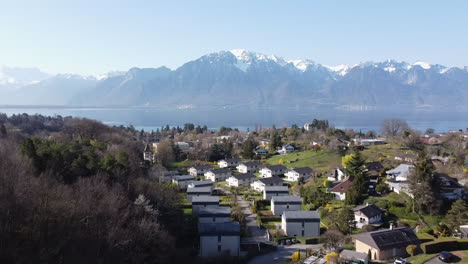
column 391, row 226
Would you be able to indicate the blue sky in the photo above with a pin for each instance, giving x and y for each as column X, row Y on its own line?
column 94, row 37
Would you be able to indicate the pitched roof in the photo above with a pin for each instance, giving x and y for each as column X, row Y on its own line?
column 286, row 198
column 147, row 148
column 251, row 163
column 303, row 170
column 219, row 229
column 301, row 214
column 370, row 210
column 184, row 177
column 276, row 167
column 219, row 210
column 350, row 254
column 202, row 183
column 202, row 199
column 390, row 238
column 374, row 166
column 402, row 168
column 199, row 190
column 343, row 186
column 243, row 176
column 276, row 188
column 222, row 170
column 274, row 179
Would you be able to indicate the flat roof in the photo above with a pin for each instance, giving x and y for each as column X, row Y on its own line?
column 276, row 188
column 301, row 215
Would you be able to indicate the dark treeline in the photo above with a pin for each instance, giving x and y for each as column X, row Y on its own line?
column 73, row 191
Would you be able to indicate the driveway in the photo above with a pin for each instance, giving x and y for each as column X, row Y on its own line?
column 256, row 233
column 283, row 253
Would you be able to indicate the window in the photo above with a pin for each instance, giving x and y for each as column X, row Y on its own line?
column 287, row 206
column 303, row 233
column 302, row 223
column 219, row 238
column 219, row 248
column 214, row 219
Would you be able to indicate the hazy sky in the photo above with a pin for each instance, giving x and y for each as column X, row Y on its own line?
column 93, row 37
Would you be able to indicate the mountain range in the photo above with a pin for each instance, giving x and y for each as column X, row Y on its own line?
column 245, row 78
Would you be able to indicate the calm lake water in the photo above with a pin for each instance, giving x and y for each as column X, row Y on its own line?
column 243, row 118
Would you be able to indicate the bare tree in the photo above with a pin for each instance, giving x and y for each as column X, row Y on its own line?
column 393, row 127
column 332, row 239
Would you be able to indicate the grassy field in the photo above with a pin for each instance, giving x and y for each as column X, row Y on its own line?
column 321, row 161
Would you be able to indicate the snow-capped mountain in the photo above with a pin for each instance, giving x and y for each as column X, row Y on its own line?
column 241, row 77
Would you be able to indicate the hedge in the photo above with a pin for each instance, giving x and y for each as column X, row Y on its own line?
column 312, row 240
column 445, row 245
column 267, row 219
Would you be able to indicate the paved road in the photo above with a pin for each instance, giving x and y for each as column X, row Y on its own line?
column 283, row 253
column 435, row 260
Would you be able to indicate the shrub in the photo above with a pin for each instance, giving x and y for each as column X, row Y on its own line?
column 332, row 257
column 427, row 230
column 296, row 256
column 411, row 249
column 312, row 240
column 444, row 245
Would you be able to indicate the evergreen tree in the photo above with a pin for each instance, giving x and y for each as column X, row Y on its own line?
column 248, row 148
column 356, row 169
column 421, row 183
column 3, row 130
column 275, row 141
column 457, row 215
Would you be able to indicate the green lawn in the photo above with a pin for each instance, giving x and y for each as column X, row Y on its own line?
column 321, row 160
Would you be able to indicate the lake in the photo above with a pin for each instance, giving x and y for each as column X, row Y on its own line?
column 245, row 118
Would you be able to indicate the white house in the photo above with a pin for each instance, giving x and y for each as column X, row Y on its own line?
column 229, row 163
column 341, row 188
column 198, row 191
column 260, row 184
column 273, row 170
column 199, row 170
column 272, row 191
column 183, row 181
column 250, row 166
column 216, row 175
column 400, row 173
column 220, row 214
column 299, row 174
column 148, row 154
column 337, row 174
column 260, row 151
column 199, row 202
column 301, row 223
column 218, row 239
column 287, row 148
column 183, row 146
column 205, row 183
column 279, row 204
column 400, row 187
column 243, row 179
column 368, row 214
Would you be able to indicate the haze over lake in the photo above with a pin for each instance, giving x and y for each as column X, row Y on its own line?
column 245, row 118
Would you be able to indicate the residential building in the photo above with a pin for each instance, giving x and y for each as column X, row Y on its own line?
column 463, row 229
column 205, row 183
column 273, row 170
column 199, row 202
column 243, row 179
column 216, row 175
column 199, row 170
column 299, row 174
column 287, row 148
column 220, row 214
column 374, row 168
column 260, row 184
column 148, row 153
column 250, row 166
column 400, row 173
column 337, row 174
column 229, row 163
column 400, row 187
column 183, row 146
column 198, row 191
column 301, row 223
column 353, row 257
column 183, row 181
column 218, row 239
column 264, row 142
column 449, row 188
column 272, row 191
column 280, row 204
column 260, row 151
column 341, row 188
column 368, row 214
column 369, row 142
column 386, row 244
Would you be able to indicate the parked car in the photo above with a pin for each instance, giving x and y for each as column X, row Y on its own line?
column 400, row 261
column 445, row 256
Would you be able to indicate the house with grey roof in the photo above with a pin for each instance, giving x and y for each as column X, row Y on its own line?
column 368, row 214
column 400, row 173
column 259, row 185
column 204, row 183
column 273, row 170
column 243, row 179
column 299, row 174
column 301, row 223
column 199, row 169
column 280, row 204
column 220, row 214
column 216, row 175
column 229, row 163
column 183, row 181
column 272, row 191
column 386, row 244
column 198, row 191
column 218, row 239
column 199, row 202
column 249, row 166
